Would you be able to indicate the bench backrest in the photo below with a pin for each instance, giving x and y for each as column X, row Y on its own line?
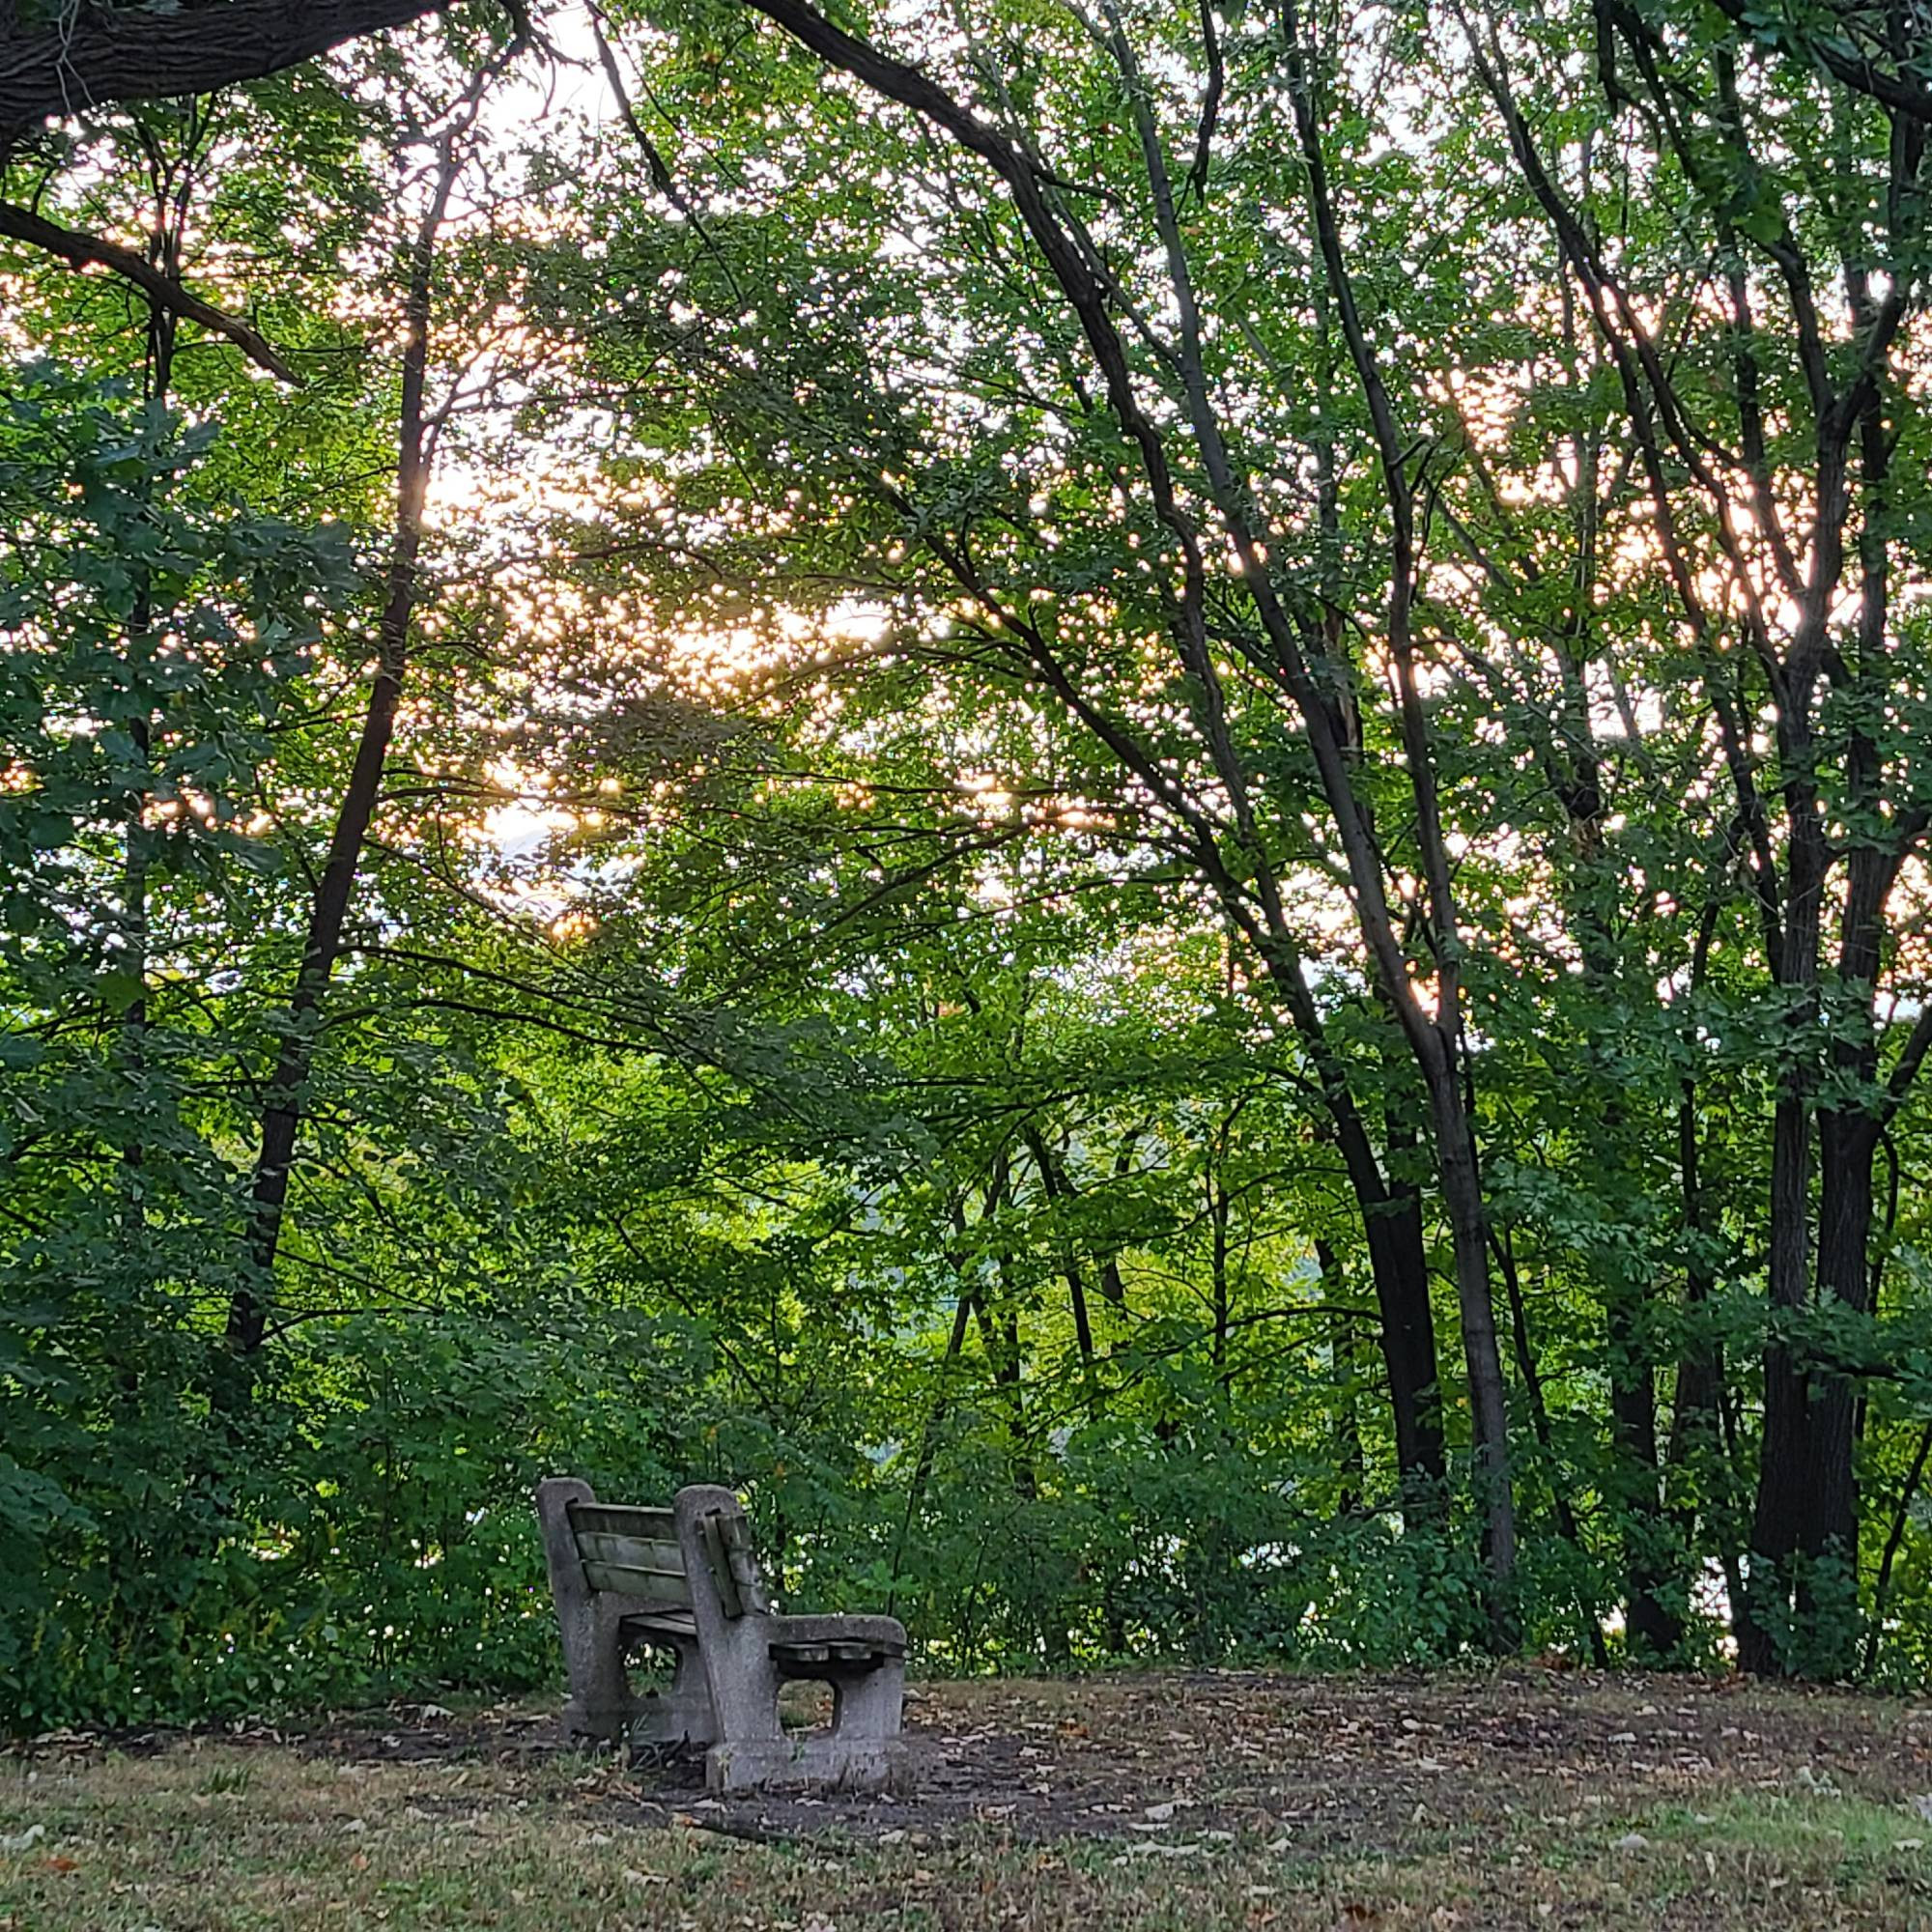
column 635, row 1552
column 632, row 1551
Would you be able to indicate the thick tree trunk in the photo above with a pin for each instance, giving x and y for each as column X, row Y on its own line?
column 1847, row 1148
column 1391, row 1214
column 1785, row 1469
column 1848, row 1142
column 86, row 55
column 1787, row 1472
column 1392, row 1227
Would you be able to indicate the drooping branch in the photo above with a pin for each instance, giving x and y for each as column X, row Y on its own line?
column 79, row 249
column 1840, row 57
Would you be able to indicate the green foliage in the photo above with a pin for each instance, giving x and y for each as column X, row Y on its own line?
column 798, row 917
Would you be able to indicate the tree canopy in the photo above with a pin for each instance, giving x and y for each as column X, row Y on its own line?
column 1131, row 796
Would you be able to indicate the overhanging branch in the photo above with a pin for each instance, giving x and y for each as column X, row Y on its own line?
column 78, row 249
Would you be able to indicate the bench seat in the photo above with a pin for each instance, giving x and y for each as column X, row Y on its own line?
column 672, row 1623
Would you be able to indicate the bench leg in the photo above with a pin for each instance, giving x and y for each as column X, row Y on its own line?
column 601, row 1704
column 751, row 1748
column 868, row 1765
column 862, row 1753
column 871, row 1705
column 683, row 1714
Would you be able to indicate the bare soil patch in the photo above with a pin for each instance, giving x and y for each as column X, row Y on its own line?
column 1344, row 1764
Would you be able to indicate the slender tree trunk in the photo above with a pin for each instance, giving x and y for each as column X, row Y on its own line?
column 1698, row 1444
column 1057, row 1188
column 1655, row 1628
column 1531, row 1377
column 1349, row 1463
column 1698, row 1438
column 164, row 254
column 1894, row 1541
column 1652, row 1570
column 928, row 1440
column 323, row 945
column 1217, row 1275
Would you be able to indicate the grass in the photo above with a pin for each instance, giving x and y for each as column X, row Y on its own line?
column 1143, row 1804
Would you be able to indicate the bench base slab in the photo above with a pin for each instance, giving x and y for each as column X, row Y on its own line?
column 868, row 1765
column 657, row 1717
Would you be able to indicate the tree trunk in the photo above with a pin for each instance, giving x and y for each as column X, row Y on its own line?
column 323, row 945
column 91, row 56
column 1567, row 1524
column 1489, row 1413
column 1656, row 1629
column 1349, row 1463
column 1057, row 1188
column 928, row 1440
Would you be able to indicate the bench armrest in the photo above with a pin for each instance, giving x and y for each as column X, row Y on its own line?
column 837, row 1629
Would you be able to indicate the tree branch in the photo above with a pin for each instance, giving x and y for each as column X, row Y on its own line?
column 77, row 250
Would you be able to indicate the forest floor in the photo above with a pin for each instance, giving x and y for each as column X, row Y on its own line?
column 1519, row 1799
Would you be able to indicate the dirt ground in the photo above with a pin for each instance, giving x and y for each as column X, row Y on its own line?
column 1516, row 1798
column 1343, row 1764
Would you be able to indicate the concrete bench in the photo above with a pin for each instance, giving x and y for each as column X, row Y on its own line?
column 686, row 1579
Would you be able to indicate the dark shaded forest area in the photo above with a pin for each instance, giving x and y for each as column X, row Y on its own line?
column 1132, row 797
